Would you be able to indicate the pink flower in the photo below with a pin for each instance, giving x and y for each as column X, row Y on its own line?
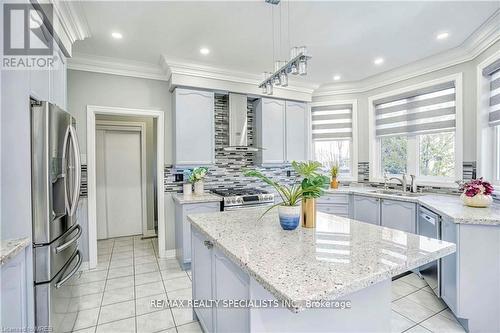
column 477, row 186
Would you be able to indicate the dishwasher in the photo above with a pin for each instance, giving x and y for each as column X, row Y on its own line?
column 429, row 226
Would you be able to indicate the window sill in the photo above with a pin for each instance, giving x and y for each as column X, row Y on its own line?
column 444, row 184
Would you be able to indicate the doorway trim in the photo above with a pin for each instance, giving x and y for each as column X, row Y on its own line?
column 92, row 111
column 132, row 126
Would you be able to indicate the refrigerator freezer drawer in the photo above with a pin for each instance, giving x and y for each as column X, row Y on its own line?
column 50, row 259
column 54, row 300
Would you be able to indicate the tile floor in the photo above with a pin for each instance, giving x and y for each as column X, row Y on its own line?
column 116, row 296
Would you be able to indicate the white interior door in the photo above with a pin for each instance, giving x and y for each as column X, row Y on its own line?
column 119, row 183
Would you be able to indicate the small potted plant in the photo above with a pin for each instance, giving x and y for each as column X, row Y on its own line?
column 334, row 171
column 477, row 193
column 289, row 208
column 313, row 184
column 187, row 187
column 197, row 176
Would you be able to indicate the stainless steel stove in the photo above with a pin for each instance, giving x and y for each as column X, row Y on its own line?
column 244, row 198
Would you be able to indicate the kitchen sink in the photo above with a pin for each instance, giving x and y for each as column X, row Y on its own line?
column 398, row 193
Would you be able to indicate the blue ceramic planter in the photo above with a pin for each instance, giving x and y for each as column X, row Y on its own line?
column 289, row 217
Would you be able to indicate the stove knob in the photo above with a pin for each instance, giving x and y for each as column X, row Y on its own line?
column 240, row 200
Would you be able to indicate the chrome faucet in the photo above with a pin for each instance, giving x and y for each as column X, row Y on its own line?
column 401, row 180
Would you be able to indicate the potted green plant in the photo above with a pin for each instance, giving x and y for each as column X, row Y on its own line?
column 197, row 176
column 289, row 208
column 313, row 185
column 334, row 171
column 187, row 187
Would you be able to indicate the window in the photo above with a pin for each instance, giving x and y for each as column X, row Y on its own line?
column 415, row 133
column 333, row 142
column 497, row 155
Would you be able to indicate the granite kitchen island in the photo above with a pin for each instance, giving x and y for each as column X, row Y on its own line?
column 289, row 277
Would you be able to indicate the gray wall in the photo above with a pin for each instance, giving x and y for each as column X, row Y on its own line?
column 469, row 103
column 88, row 88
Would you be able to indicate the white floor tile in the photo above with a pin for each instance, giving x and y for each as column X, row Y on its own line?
column 172, row 274
column 85, row 302
column 145, row 260
column 119, row 272
column 166, row 264
column 148, row 289
column 190, row 328
column 91, row 276
column 86, row 318
column 116, row 312
column 418, row 329
column 441, row 324
column 155, row 321
column 182, row 294
column 401, row 288
column 428, row 300
column 88, row 288
column 179, row 283
column 182, row 315
column 146, row 268
column 411, row 310
column 117, row 263
column 121, row 326
column 122, row 255
column 123, row 248
column 147, row 278
column 85, row 330
column 121, row 282
column 143, row 304
column 399, row 323
column 414, row 280
column 118, row 295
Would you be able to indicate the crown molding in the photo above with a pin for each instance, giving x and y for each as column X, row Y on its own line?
column 180, row 67
column 479, row 41
column 115, row 66
column 73, row 20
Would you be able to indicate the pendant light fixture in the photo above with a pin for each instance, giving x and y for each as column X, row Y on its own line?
column 297, row 64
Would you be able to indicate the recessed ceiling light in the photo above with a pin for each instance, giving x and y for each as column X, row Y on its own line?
column 116, row 35
column 204, row 51
column 336, row 77
column 378, row 61
column 442, row 35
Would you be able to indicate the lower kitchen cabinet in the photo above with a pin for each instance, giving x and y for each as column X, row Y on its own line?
column 366, row 209
column 398, row 215
column 215, row 277
column 337, row 204
column 183, row 228
column 449, row 265
column 14, row 302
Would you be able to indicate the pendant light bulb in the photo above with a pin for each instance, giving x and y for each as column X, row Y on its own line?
column 303, row 67
column 269, row 88
column 284, row 79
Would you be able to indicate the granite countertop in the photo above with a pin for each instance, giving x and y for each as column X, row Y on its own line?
column 340, row 256
column 206, row 197
column 450, row 206
column 11, row 247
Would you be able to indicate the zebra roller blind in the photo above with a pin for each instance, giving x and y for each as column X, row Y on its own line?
column 493, row 73
column 331, row 122
column 431, row 109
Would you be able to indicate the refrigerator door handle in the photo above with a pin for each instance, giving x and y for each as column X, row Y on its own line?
column 78, row 169
column 64, row 169
column 63, row 280
column 72, row 240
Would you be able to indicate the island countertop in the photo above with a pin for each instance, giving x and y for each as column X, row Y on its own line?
column 340, row 256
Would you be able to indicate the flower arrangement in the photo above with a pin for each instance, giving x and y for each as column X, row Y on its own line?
column 198, row 174
column 196, row 177
column 477, row 193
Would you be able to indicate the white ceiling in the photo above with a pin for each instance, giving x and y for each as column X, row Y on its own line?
column 343, row 37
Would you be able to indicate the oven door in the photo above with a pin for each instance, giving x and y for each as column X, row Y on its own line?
column 246, row 207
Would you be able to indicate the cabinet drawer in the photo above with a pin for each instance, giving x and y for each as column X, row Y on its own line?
column 337, row 209
column 202, row 208
column 334, row 199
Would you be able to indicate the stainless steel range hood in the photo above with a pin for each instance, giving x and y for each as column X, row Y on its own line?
column 238, row 124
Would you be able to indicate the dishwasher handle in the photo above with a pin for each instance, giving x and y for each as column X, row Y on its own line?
column 428, row 218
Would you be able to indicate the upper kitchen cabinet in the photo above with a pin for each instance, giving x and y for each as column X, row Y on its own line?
column 193, row 130
column 58, row 79
column 296, row 131
column 270, row 131
column 281, row 131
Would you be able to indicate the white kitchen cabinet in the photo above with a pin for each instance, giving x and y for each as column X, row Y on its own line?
column 296, row 131
column 14, row 303
column 229, row 283
column 270, row 131
column 202, row 278
column 193, row 130
column 215, row 277
column 337, row 204
column 398, row 215
column 58, row 79
column 366, row 209
column 183, row 228
column 449, row 265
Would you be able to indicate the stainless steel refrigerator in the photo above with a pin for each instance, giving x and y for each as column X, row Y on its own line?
column 56, row 175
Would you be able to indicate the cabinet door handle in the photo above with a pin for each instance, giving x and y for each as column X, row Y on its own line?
column 208, row 244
